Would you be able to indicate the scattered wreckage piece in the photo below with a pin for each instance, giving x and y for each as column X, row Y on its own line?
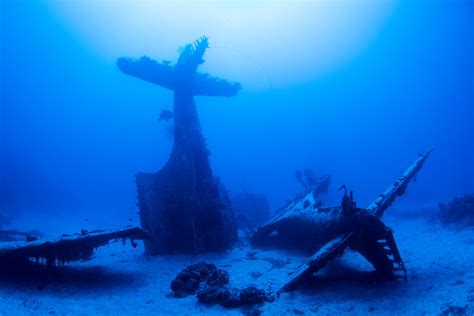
column 308, row 180
column 184, row 206
column 313, row 189
column 458, row 211
column 305, row 225
column 17, row 235
column 67, row 247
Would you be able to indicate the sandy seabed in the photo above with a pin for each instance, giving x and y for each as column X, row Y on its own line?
column 120, row 280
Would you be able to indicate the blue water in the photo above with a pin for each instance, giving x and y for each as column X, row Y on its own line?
column 74, row 130
column 353, row 89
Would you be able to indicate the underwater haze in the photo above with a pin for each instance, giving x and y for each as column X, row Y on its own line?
column 354, row 89
column 358, row 90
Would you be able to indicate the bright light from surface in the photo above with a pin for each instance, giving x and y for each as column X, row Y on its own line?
column 288, row 41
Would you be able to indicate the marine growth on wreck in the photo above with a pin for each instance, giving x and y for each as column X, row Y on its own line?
column 184, row 207
column 341, row 174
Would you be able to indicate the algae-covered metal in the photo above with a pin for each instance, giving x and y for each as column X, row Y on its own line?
column 327, row 231
column 67, row 247
column 183, row 206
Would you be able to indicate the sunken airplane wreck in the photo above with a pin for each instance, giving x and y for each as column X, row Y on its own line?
column 185, row 208
column 327, row 231
column 66, row 248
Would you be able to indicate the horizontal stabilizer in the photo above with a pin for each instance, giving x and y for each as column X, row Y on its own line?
column 149, row 70
column 165, row 75
column 211, row 86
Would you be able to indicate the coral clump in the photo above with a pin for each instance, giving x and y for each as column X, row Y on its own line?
column 187, row 282
column 211, row 286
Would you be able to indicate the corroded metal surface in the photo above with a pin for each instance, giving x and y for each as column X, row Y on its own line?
column 67, row 247
column 328, row 231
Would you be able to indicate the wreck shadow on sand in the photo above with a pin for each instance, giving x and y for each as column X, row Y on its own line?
column 351, row 283
column 28, row 274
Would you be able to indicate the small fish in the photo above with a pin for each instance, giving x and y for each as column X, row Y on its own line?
column 165, row 115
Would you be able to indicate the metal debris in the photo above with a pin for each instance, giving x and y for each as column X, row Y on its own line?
column 67, row 247
column 307, row 226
